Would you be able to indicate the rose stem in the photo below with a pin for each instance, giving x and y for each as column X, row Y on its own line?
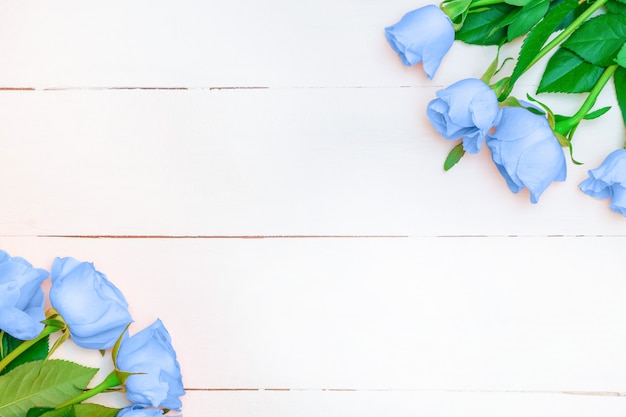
column 48, row 330
column 565, row 125
column 112, row 380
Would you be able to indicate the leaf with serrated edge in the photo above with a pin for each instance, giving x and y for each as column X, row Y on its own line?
column 41, row 384
column 83, row 410
column 539, row 34
column 528, row 17
column 566, row 72
column 599, row 39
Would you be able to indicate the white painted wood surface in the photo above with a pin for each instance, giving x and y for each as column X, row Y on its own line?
column 262, row 177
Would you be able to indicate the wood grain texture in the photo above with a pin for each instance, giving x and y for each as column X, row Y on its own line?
column 403, row 313
column 262, row 177
column 401, row 404
column 374, row 403
column 192, row 43
column 266, row 162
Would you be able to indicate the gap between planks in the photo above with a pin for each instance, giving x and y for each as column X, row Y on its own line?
column 578, row 393
column 200, row 88
column 129, row 88
column 302, row 236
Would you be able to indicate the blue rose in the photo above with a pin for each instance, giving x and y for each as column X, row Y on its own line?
column 21, row 297
column 422, row 35
column 136, row 410
column 526, row 151
column 149, row 353
column 609, row 181
column 95, row 311
column 467, row 109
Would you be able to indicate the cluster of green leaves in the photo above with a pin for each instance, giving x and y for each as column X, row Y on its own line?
column 587, row 39
column 578, row 64
column 594, row 42
column 33, row 385
column 501, row 22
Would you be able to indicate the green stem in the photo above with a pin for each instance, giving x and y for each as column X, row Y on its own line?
column 48, row 330
column 565, row 125
column 112, row 380
column 568, row 31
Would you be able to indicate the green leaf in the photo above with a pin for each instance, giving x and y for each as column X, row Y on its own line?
column 83, row 410
column 621, row 56
column 485, row 27
column 616, row 7
column 619, row 79
column 36, row 352
column 566, row 72
column 454, row 156
column 41, row 384
column 520, row 3
column 528, row 17
column 596, row 113
column 599, row 39
column 570, row 17
column 63, row 412
column 539, row 34
column 38, row 411
column 95, row 410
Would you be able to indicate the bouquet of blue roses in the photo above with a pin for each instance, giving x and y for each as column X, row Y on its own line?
column 585, row 41
column 88, row 309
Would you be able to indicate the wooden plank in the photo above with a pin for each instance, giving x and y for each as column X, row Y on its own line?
column 267, row 162
column 191, row 43
column 400, row 404
column 332, row 403
column 538, row 314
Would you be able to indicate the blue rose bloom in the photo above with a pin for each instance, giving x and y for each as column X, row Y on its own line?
column 149, row 353
column 136, row 410
column 422, row 35
column 609, row 181
column 95, row 311
column 467, row 109
column 526, row 151
column 21, row 297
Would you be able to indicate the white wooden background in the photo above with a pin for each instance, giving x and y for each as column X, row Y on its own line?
column 262, row 177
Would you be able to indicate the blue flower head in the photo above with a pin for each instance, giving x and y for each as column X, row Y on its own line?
column 423, row 35
column 526, row 151
column 609, row 181
column 467, row 109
